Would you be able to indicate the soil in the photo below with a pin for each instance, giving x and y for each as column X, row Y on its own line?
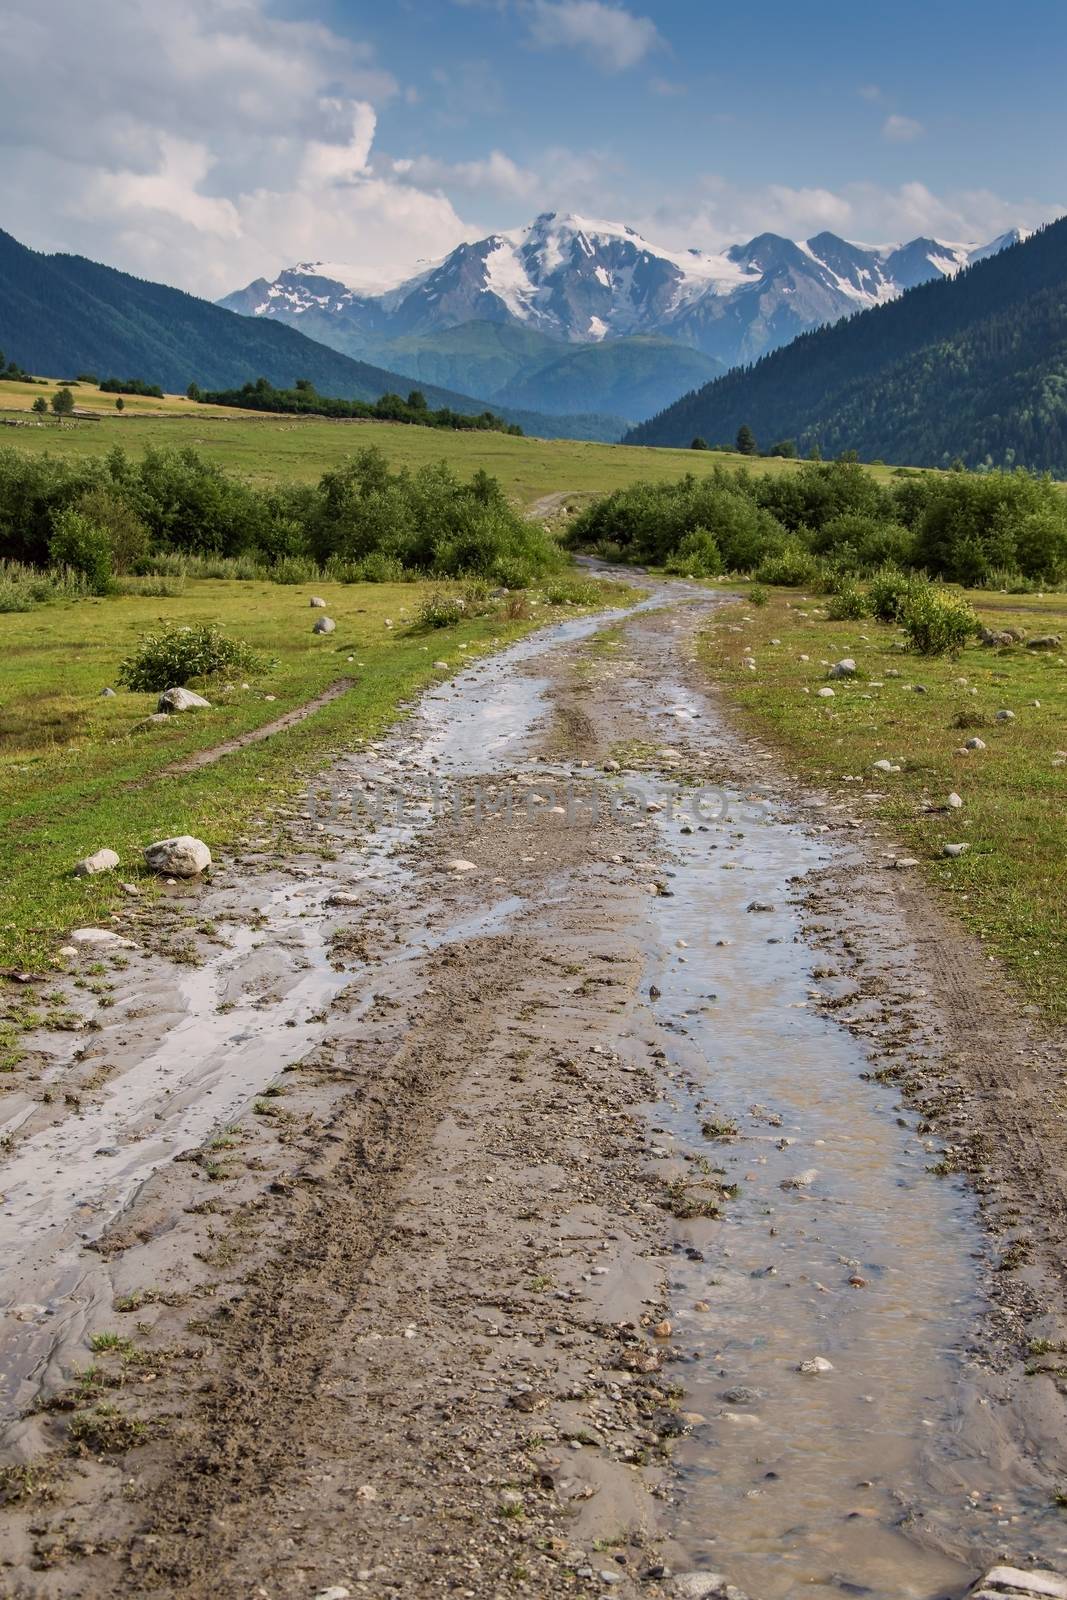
column 394, row 1265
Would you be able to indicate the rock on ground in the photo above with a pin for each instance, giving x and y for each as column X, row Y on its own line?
column 172, row 700
column 1011, row 1583
column 101, row 936
column 102, row 861
column 705, row 1586
column 324, row 625
column 181, row 857
column 317, row 602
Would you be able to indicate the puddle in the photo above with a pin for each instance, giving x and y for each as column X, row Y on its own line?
column 797, row 1484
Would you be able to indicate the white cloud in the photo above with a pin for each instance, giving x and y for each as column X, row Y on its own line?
column 497, row 174
column 611, row 36
column 724, row 213
column 203, row 142
column 901, row 130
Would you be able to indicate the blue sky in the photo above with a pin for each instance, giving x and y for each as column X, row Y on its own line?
column 219, row 140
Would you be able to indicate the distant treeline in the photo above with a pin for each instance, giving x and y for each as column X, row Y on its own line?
column 304, row 400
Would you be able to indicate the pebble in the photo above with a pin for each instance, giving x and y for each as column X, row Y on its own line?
column 459, row 865
column 954, row 801
column 103, row 861
column 953, row 849
column 1005, row 716
column 826, row 694
column 815, row 1364
column 974, row 744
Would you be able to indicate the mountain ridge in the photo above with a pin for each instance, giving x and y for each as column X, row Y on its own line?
column 973, row 366
column 584, row 281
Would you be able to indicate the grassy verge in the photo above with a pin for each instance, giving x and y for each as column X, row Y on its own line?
column 1010, row 887
column 75, row 777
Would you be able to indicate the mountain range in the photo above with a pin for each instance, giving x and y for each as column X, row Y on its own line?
column 63, row 314
column 973, row 366
column 645, row 319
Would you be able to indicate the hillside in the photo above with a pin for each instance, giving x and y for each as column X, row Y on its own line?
column 516, row 366
column 973, row 366
column 64, row 314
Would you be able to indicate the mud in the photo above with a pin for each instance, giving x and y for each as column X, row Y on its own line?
column 466, row 1213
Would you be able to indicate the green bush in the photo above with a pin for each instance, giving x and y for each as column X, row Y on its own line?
column 169, row 659
column 757, row 595
column 83, row 546
column 938, row 622
column 440, row 610
column 890, row 592
column 23, row 587
column 697, row 556
column 127, row 536
column 848, row 604
column 792, row 567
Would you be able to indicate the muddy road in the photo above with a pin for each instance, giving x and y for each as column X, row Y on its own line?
column 566, row 1160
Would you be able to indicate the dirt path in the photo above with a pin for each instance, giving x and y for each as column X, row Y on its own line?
column 464, row 1219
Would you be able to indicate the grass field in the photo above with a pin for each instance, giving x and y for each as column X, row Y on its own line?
column 266, row 449
column 1010, row 886
column 75, row 777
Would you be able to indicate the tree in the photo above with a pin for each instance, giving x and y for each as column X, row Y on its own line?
column 784, row 447
column 193, row 392
column 417, row 400
column 40, row 405
column 120, row 404
column 699, row 443
column 746, row 440
column 63, row 402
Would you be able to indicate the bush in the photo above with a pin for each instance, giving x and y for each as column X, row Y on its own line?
column 573, row 592
column 938, row 622
column 890, row 592
column 126, row 534
column 697, row 556
column 849, row 604
column 83, row 546
column 793, row 567
column 757, row 595
column 440, row 610
column 169, row 659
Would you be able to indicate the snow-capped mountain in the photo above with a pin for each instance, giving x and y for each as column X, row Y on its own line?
column 582, row 281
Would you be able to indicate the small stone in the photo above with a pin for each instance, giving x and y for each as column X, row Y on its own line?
column 103, row 861
column 825, row 693
column 814, row 1365
column 336, row 1591
column 317, row 602
column 174, row 700
column 883, row 765
column 441, row 666
column 974, row 744
column 1005, row 716
column 759, row 905
column 323, row 625
column 845, row 668
column 107, row 694
column 662, row 1330
column 459, row 865
column 181, row 857
column 954, row 801
column 902, row 862
column 954, row 849
column 705, row 1586
column 800, row 1180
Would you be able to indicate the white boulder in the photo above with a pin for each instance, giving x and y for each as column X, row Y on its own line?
column 172, row 700
column 324, row 625
column 101, row 861
column 181, row 857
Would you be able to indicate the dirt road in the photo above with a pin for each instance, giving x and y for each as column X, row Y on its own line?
column 596, row 1174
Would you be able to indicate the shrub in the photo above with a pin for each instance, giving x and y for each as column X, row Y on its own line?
column 890, row 591
column 697, row 556
column 83, row 546
column 572, row 592
column 793, row 567
column 171, row 658
column 22, row 587
column 848, row 604
column 938, row 622
column 126, row 534
column 440, row 610
column 757, row 595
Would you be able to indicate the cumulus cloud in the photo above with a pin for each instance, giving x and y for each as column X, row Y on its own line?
column 901, row 130
column 496, row 174
column 203, row 142
column 612, row 37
